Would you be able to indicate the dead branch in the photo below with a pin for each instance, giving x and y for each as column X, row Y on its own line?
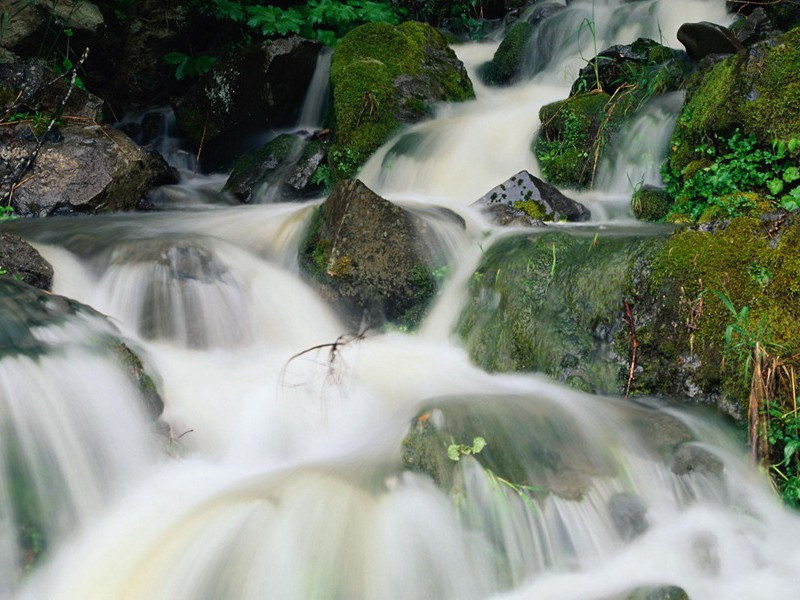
column 634, row 346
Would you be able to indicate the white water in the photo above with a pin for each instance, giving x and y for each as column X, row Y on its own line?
column 283, row 478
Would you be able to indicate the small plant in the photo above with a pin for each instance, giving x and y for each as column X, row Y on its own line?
column 189, row 66
column 456, row 451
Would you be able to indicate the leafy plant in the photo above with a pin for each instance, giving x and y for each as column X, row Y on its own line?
column 189, row 66
column 7, row 213
column 456, row 451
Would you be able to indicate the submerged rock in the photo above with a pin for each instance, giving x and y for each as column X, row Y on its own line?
column 370, row 257
column 703, row 39
column 20, row 260
column 80, row 170
column 290, row 167
column 383, row 76
column 262, row 86
column 629, row 515
column 534, row 197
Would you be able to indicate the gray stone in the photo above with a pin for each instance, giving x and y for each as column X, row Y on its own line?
column 20, row 260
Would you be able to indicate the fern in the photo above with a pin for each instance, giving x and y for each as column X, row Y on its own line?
column 272, row 20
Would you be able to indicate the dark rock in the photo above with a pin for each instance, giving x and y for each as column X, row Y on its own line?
column 92, row 169
column 704, row 38
column 509, row 56
column 283, row 170
column 629, row 515
column 369, row 256
column 25, row 32
column 756, row 27
column 650, row 203
column 18, row 259
column 33, row 88
column 783, row 14
column 691, row 458
column 543, row 11
column 262, row 86
column 667, row 592
column 506, row 215
column 538, row 199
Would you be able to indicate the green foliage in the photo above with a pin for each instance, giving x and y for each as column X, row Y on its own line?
column 7, row 213
column 784, row 434
column 456, row 451
column 727, row 173
column 189, row 66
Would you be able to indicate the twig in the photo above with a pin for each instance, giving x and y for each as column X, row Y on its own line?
column 200, row 148
column 16, row 175
column 634, row 346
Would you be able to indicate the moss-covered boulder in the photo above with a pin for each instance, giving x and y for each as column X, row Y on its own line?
column 756, row 91
column 371, row 258
column 532, row 196
column 706, row 39
column 289, row 167
column 262, row 86
column 507, row 60
column 383, row 76
column 574, row 133
column 651, row 203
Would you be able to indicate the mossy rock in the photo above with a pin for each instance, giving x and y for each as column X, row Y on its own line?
column 575, row 132
column 651, row 203
column 509, row 57
column 756, row 91
column 383, row 76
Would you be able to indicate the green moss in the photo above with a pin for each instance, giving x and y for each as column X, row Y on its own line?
column 574, row 133
column 509, row 56
column 757, row 91
column 365, row 66
column 532, row 208
column 651, row 204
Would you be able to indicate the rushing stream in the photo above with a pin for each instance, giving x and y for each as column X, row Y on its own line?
column 281, row 476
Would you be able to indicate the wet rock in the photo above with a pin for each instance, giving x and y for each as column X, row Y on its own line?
column 26, row 30
column 20, row 260
column 650, row 203
column 691, row 458
column 667, row 592
column 756, row 27
column 544, row 10
column 383, row 76
column 627, row 65
column 507, row 60
column 536, row 198
column 629, row 515
column 783, row 14
column 704, row 39
column 369, row 256
column 34, row 88
column 508, row 216
column 290, row 167
column 84, row 170
column 261, row 86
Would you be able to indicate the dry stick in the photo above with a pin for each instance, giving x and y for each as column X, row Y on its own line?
column 16, row 175
column 200, row 148
column 634, row 347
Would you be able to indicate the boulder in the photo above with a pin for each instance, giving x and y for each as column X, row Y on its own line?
column 704, row 39
column 34, row 88
column 506, row 215
column 650, row 203
column 784, row 14
column 629, row 515
column 370, row 257
column 21, row 261
column 290, row 167
column 691, row 458
column 509, row 56
column 79, row 170
column 536, row 198
column 756, row 27
column 262, row 87
column 25, row 32
column 383, row 76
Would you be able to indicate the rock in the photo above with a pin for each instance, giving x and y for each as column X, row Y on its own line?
column 24, row 33
column 783, row 14
column 754, row 91
column 704, row 38
column 383, row 76
column 650, row 203
column 80, row 170
column 507, row 60
column 544, row 10
column 756, row 27
column 262, row 86
column 33, row 88
column 369, row 256
column 290, row 167
column 667, row 592
column 508, row 216
column 18, row 259
column 573, row 134
column 622, row 65
column 538, row 199
column 629, row 515
column 691, row 458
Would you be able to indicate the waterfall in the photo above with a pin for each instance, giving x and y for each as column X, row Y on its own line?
column 302, row 465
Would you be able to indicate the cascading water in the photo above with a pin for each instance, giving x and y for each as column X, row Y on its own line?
column 287, row 475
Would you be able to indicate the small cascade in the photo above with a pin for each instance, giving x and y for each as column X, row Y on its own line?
column 312, row 114
column 156, row 129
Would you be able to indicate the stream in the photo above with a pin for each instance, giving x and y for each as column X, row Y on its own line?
column 282, row 475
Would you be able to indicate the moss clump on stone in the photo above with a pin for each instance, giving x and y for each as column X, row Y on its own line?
column 757, row 91
column 651, row 204
column 574, row 133
column 509, row 57
column 382, row 76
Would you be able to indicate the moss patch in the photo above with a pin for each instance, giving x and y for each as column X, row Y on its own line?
column 508, row 58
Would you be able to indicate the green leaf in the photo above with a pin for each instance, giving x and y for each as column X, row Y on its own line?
column 775, row 186
column 478, row 444
column 790, row 450
column 454, row 452
column 791, row 174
